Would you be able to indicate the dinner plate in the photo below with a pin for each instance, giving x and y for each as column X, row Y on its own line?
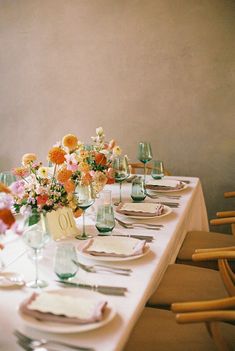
column 113, row 259
column 11, row 280
column 52, row 327
column 153, row 191
column 167, row 210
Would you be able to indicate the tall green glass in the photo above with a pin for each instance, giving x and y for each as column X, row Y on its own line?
column 144, row 154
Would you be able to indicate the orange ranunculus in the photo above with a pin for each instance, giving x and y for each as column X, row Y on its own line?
column 100, row 159
column 83, row 167
column 4, row 188
column 86, row 178
column 7, row 217
column 28, row 158
column 63, row 175
column 69, row 186
column 42, row 199
column 20, row 171
column 77, row 213
column 70, row 141
column 56, row 155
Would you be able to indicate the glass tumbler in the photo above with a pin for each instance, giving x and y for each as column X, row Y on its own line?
column 158, row 170
column 105, row 221
column 138, row 191
column 63, row 264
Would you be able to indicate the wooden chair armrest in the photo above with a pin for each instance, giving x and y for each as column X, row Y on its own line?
column 229, row 194
column 228, row 248
column 225, row 214
column 207, row 316
column 199, row 306
column 213, row 255
column 220, row 221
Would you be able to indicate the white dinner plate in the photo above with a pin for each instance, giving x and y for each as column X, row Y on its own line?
column 11, row 280
column 52, row 327
column 153, row 191
column 167, row 210
column 113, row 259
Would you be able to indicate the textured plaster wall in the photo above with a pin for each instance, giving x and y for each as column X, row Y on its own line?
column 155, row 70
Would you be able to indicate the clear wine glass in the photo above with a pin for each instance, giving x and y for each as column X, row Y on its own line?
column 144, row 154
column 121, row 172
column 36, row 236
column 85, row 198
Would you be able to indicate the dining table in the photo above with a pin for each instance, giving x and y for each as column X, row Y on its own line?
column 147, row 270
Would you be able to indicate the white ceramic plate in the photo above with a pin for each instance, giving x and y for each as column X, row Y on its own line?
column 11, row 280
column 52, row 327
column 113, row 259
column 166, row 212
column 153, row 191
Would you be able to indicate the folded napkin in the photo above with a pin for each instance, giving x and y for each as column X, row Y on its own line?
column 54, row 307
column 164, row 184
column 114, row 246
column 140, row 209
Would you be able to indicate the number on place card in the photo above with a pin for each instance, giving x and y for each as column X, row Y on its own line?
column 61, row 224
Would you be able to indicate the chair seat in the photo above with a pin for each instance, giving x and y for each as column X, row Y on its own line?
column 182, row 283
column 203, row 240
column 157, row 330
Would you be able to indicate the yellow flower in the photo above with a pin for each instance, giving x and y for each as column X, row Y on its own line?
column 70, row 141
column 43, row 172
column 117, row 150
column 83, row 167
column 28, row 158
column 56, row 155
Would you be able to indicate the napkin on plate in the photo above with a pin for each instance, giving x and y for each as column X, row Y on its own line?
column 55, row 307
column 164, row 184
column 140, row 209
column 114, row 246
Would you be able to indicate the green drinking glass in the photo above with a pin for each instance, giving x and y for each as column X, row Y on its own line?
column 157, row 170
column 63, row 261
column 138, row 191
column 105, row 221
column 144, row 154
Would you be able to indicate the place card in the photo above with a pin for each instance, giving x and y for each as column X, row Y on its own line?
column 61, row 223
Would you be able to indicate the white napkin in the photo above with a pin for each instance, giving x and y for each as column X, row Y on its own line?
column 139, row 207
column 114, row 246
column 164, row 182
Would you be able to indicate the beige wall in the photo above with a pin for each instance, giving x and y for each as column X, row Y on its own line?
column 158, row 70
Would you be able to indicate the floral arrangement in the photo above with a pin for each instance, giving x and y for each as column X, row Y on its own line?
column 42, row 189
column 7, row 219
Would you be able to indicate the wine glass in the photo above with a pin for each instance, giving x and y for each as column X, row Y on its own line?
column 144, row 154
column 121, row 172
column 36, row 236
column 85, row 198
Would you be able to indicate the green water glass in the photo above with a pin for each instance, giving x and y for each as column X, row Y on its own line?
column 63, row 264
column 105, row 221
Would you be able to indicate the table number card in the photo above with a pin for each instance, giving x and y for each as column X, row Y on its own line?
column 61, row 223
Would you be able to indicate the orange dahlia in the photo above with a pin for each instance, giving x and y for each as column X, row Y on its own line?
column 7, row 217
column 28, row 158
column 70, row 141
column 56, row 155
column 63, row 175
column 20, row 172
column 4, row 188
column 69, row 186
column 77, row 213
column 100, row 159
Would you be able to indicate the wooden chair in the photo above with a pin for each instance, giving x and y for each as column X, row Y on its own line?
column 203, row 239
column 188, row 283
column 138, row 167
column 158, row 329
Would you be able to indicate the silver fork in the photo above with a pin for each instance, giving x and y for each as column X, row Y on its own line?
column 102, row 268
column 34, row 344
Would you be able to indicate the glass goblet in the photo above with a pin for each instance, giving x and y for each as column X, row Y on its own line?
column 121, row 172
column 85, row 198
column 144, row 154
column 105, row 221
column 36, row 237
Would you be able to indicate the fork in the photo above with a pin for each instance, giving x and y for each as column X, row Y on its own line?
column 32, row 344
column 96, row 268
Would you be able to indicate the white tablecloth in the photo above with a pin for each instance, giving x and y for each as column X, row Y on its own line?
column 147, row 273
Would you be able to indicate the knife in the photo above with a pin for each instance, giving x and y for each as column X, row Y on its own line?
column 147, row 238
column 103, row 289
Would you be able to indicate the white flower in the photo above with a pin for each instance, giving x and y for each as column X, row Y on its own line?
column 117, row 150
column 99, row 131
column 43, row 172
